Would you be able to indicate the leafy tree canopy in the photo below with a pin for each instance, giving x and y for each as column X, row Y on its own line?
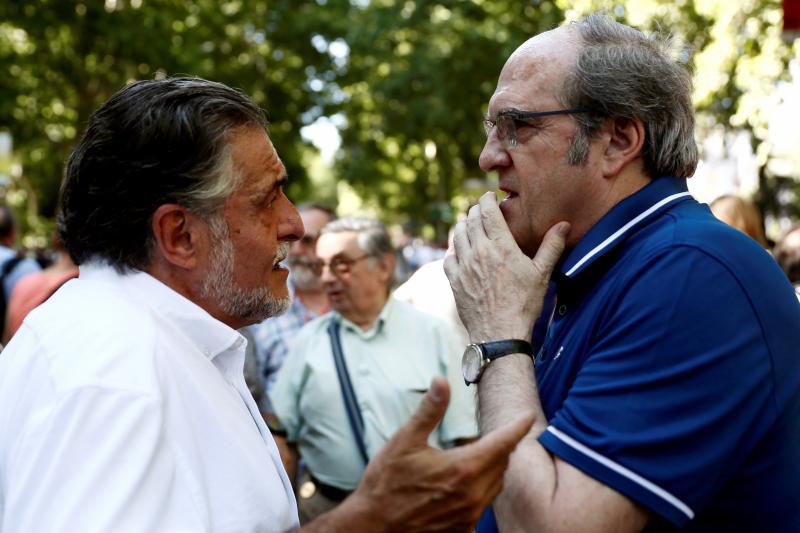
column 407, row 80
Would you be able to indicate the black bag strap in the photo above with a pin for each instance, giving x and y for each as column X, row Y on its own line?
column 8, row 267
column 348, row 394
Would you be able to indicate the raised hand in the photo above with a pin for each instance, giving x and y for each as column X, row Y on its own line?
column 498, row 290
column 410, row 487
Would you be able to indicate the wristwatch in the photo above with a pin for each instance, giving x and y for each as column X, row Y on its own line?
column 478, row 355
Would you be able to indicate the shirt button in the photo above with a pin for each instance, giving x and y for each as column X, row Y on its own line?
column 562, row 309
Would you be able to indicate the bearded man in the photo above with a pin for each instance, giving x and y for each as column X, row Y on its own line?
column 122, row 398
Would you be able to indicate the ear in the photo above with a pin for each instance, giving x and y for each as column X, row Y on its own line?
column 386, row 266
column 625, row 142
column 177, row 234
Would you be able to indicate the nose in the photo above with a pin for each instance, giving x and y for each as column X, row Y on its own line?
column 290, row 225
column 493, row 156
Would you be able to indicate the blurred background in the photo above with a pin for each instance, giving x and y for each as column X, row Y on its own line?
column 376, row 105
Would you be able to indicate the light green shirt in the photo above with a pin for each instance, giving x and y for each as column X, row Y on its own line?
column 390, row 366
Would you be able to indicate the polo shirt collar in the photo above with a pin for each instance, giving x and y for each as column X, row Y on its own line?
column 622, row 221
column 211, row 336
column 376, row 328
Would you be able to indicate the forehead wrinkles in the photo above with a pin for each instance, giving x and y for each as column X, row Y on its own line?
column 271, row 162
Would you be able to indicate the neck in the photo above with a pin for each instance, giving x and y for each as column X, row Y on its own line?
column 626, row 183
column 365, row 319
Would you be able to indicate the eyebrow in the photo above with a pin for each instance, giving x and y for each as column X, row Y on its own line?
column 504, row 110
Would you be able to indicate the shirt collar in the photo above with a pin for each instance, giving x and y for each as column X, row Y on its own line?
column 623, row 220
column 211, row 336
column 376, row 328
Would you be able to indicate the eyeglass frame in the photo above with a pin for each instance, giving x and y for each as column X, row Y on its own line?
column 339, row 265
column 510, row 137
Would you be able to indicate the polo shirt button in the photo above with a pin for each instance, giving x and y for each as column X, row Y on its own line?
column 562, row 309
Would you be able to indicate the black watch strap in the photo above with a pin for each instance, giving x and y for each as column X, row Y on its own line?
column 493, row 350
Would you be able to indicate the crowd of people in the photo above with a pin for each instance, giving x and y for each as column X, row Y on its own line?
column 598, row 351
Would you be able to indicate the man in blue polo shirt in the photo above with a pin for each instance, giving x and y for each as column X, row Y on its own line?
column 667, row 391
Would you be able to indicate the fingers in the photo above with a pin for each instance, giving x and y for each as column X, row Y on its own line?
column 494, row 225
column 460, row 240
column 551, row 249
column 415, row 432
column 451, row 266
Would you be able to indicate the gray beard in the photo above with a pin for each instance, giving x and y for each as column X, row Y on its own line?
column 252, row 305
column 303, row 278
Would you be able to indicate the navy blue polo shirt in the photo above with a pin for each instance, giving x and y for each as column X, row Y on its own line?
column 671, row 368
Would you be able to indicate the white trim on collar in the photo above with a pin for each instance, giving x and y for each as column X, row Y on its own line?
column 617, row 234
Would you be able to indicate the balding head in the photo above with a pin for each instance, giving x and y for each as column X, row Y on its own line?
column 616, row 72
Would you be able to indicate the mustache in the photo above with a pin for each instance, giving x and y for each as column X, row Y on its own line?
column 281, row 253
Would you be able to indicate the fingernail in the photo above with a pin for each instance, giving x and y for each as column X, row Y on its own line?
column 436, row 393
column 563, row 228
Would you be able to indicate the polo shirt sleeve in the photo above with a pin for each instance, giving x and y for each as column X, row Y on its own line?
column 676, row 388
column 99, row 460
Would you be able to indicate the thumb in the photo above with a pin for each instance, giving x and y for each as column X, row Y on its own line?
column 551, row 249
column 415, row 432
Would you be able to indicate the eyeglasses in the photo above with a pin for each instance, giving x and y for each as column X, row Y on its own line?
column 506, row 122
column 339, row 265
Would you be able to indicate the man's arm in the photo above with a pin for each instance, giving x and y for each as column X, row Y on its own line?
column 289, row 456
column 541, row 491
column 411, row 487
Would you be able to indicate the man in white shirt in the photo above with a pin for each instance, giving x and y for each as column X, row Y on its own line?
column 122, row 401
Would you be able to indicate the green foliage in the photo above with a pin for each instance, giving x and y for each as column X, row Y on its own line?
column 409, row 80
column 62, row 59
column 417, row 84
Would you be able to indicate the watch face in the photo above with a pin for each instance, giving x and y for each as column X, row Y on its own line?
column 471, row 363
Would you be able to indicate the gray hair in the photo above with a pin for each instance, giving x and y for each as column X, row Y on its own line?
column 621, row 73
column 154, row 142
column 372, row 235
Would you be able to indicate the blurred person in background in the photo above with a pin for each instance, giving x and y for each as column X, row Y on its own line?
column 429, row 291
column 787, row 254
column 35, row 288
column 742, row 214
column 13, row 264
column 273, row 337
column 269, row 341
column 389, row 353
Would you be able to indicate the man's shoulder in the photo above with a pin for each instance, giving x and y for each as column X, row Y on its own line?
column 684, row 235
column 89, row 333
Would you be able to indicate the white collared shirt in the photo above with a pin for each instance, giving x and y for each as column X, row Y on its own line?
column 123, row 408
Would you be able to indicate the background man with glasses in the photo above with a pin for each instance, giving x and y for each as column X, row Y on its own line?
column 667, row 391
column 392, row 352
column 273, row 337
